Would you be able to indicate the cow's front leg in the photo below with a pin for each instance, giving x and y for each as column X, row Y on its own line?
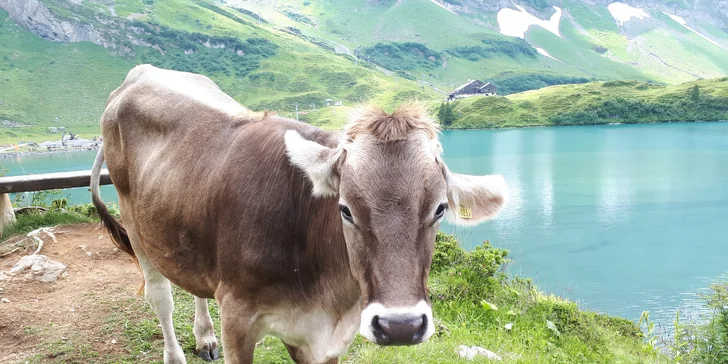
column 205, row 342
column 238, row 333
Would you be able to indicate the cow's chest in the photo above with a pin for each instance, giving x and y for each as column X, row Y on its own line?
column 320, row 335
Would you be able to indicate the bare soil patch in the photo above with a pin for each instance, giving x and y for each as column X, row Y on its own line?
column 68, row 318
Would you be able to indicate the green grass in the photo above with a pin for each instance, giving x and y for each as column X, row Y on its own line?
column 597, row 103
column 30, row 221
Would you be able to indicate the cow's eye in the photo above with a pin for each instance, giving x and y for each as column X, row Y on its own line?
column 346, row 213
column 440, row 210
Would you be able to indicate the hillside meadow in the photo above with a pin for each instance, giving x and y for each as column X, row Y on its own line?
column 591, row 103
column 48, row 84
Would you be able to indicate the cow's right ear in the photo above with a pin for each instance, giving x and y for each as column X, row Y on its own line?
column 317, row 161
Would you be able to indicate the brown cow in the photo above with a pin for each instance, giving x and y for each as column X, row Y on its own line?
column 297, row 233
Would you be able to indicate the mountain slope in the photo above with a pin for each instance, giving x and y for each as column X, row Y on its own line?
column 289, row 54
column 64, row 79
column 663, row 41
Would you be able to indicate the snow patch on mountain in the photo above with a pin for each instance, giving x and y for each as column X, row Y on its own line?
column 682, row 22
column 515, row 23
column 622, row 12
column 543, row 52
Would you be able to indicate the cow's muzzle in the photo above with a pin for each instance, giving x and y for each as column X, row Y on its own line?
column 399, row 330
column 397, row 326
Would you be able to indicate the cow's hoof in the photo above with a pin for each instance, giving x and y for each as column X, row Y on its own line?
column 209, row 352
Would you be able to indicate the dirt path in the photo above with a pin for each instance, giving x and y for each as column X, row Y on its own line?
column 41, row 319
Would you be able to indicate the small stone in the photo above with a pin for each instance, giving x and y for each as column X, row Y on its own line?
column 471, row 352
column 89, row 253
column 4, row 300
column 101, row 237
column 508, row 327
column 83, row 247
column 2, row 290
column 116, row 250
column 64, row 338
column 113, row 341
column 551, row 326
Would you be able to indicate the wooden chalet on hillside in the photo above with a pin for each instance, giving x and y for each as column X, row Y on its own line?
column 473, row 88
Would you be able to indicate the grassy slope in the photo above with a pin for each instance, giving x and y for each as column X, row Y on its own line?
column 595, row 103
column 669, row 53
column 359, row 23
column 42, row 80
column 362, row 23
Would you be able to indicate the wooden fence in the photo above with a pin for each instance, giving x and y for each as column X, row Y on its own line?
column 40, row 182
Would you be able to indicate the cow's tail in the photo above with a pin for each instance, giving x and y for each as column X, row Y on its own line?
column 115, row 228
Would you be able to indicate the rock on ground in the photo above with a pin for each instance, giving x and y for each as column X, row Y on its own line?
column 473, row 351
column 37, row 267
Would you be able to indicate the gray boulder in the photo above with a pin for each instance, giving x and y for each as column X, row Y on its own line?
column 36, row 267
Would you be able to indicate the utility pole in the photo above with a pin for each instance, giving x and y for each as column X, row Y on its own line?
column 296, row 112
column 314, row 106
column 356, row 56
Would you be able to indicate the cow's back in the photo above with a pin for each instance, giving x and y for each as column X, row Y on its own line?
column 205, row 178
column 154, row 105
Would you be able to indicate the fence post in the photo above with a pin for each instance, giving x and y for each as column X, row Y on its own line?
column 7, row 215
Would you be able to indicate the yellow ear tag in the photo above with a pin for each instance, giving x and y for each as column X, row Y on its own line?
column 465, row 213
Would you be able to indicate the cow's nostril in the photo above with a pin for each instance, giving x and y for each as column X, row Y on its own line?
column 379, row 333
column 399, row 330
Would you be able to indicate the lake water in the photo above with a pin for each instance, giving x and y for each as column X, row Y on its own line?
column 620, row 218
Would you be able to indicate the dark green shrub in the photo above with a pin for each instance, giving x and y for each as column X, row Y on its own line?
column 445, row 114
column 711, row 344
column 407, row 56
column 448, row 253
column 509, row 82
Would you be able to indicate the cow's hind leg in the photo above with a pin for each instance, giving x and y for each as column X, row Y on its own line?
column 158, row 292
column 206, row 346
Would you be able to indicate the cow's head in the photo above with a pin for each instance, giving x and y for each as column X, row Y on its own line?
column 394, row 190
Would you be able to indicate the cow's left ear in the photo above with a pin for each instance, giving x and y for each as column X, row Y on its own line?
column 317, row 161
column 474, row 199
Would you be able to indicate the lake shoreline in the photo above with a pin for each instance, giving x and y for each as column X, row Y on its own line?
column 580, row 125
column 88, row 148
column 54, row 151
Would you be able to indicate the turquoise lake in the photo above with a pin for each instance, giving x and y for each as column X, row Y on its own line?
column 620, row 218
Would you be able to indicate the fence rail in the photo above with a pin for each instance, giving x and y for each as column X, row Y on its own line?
column 50, row 181
column 40, row 182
